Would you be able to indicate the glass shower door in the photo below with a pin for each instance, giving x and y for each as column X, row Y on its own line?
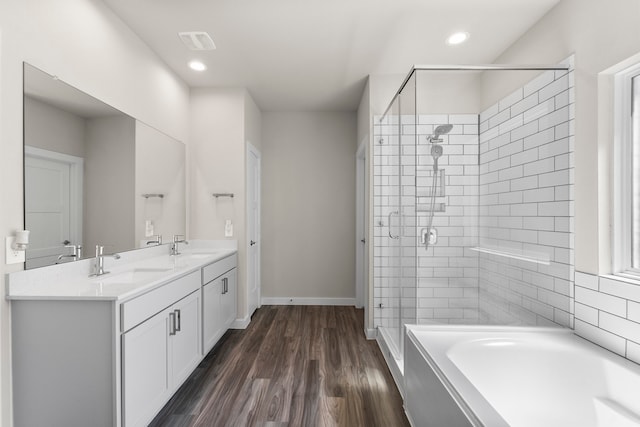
column 408, row 235
column 395, row 200
column 394, row 228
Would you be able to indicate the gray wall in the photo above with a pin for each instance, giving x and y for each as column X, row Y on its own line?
column 308, row 212
column 222, row 121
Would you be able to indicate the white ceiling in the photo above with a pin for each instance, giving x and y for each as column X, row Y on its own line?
column 297, row 55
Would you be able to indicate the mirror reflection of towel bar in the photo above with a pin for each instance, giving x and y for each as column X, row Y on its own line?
column 216, row 195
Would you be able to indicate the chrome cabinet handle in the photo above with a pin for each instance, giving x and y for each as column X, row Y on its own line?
column 172, row 323
column 389, row 219
column 178, row 320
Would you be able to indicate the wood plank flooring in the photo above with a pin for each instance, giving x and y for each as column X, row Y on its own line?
column 293, row 366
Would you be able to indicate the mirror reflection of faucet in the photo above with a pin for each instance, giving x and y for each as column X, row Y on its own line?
column 157, row 241
column 75, row 255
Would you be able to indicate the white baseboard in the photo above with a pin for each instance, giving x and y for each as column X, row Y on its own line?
column 308, row 301
column 241, row 323
column 371, row 334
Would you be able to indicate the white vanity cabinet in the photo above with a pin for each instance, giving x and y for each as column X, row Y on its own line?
column 159, row 353
column 88, row 354
column 219, row 294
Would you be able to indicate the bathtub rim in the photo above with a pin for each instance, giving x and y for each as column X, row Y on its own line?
column 472, row 403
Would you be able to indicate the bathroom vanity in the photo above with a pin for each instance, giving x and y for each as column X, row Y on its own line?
column 112, row 350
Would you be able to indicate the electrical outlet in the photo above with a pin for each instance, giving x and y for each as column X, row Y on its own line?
column 11, row 255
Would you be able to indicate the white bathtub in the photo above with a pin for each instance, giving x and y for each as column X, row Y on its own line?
column 520, row 377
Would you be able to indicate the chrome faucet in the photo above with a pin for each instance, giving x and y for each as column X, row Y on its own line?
column 173, row 248
column 76, row 253
column 99, row 262
column 158, row 240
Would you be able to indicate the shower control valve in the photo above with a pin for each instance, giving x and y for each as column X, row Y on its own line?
column 429, row 234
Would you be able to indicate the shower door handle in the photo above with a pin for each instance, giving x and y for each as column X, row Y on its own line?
column 390, row 215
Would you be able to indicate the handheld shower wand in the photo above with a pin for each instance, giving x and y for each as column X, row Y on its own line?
column 436, row 152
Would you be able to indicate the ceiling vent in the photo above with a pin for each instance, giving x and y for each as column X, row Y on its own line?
column 197, row 40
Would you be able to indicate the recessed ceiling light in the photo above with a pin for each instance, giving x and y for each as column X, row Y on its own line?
column 197, row 66
column 457, row 38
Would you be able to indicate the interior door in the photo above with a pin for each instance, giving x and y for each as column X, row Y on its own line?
column 47, row 209
column 253, row 220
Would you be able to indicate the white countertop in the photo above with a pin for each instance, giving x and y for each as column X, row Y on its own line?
column 137, row 272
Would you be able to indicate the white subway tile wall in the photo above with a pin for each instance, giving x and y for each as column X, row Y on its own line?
column 508, row 187
column 447, row 277
column 526, row 198
column 607, row 312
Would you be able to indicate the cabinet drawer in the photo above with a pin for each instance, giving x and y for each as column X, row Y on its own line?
column 139, row 309
column 218, row 268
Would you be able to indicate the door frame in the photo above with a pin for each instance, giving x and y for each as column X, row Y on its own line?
column 76, row 176
column 252, row 150
column 362, row 211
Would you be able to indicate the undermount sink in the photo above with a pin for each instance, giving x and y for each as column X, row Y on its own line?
column 133, row 276
column 199, row 255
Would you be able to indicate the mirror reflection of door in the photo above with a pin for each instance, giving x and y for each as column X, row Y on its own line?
column 53, row 184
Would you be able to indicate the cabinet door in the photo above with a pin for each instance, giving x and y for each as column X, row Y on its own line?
column 228, row 304
column 212, row 316
column 145, row 381
column 185, row 342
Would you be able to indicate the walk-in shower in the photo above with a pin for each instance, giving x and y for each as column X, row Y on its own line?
column 473, row 199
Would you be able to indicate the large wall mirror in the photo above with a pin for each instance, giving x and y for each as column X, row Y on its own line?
column 94, row 175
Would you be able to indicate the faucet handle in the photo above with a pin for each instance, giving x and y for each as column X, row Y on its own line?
column 179, row 238
column 100, row 252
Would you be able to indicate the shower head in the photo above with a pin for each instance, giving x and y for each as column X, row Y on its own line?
column 439, row 131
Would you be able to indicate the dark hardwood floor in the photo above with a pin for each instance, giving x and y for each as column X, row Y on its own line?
column 293, row 366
